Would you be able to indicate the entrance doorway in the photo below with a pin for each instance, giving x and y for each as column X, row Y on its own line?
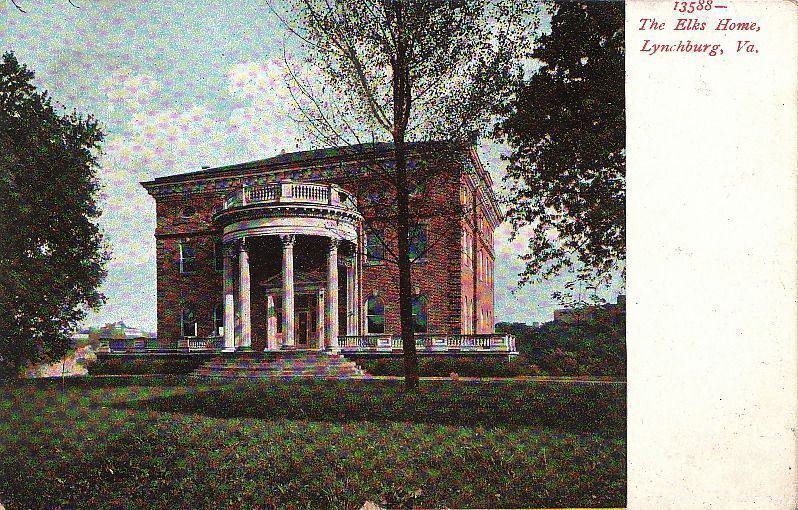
column 305, row 328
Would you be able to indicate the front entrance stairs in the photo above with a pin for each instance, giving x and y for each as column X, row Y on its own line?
column 279, row 365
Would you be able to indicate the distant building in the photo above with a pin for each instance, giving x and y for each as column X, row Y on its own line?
column 613, row 311
column 118, row 337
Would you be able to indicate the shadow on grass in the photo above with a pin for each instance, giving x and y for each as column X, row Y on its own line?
column 102, row 381
column 574, row 408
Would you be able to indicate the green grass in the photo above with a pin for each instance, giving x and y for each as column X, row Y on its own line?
column 172, row 443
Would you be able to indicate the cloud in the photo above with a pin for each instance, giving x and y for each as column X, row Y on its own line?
column 263, row 85
column 261, row 121
column 129, row 89
column 153, row 142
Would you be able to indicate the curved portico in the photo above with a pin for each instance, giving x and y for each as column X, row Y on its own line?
column 266, row 222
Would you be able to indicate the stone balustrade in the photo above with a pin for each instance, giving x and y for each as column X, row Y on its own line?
column 213, row 343
column 431, row 343
column 289, row 192
column 492, row 343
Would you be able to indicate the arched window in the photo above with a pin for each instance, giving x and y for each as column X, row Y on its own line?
column 188, row 323
column 375, row 315
column 419, row 314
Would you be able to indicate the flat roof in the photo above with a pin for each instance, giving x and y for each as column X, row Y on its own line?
column 291, row 159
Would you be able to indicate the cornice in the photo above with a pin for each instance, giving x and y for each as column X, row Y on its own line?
column 257, row 211
column 226, row 179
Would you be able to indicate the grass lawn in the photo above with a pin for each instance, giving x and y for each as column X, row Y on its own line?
column 177, row 443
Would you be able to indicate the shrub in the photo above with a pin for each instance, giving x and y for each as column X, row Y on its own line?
column 440, row 366
column 109, row 365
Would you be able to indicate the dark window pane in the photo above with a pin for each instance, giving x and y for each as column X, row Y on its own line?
column 375, row 248
column 375, row 307
column 376, row 324
column 218, row 320
column 187, row 259
column 375, row 313
column 419, row 314
column 218, row 256
column 418, row 242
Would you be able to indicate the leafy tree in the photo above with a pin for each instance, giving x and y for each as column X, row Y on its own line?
column 566, row 127
column 53, row 255
column 405, row 71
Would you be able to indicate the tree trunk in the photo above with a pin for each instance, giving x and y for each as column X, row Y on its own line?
column 401, row 116
column 405, row 286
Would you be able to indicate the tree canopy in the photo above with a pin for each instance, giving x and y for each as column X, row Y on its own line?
column 566, row 179
column 53, row 256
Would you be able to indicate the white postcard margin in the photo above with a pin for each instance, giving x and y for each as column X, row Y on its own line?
column 712, row 267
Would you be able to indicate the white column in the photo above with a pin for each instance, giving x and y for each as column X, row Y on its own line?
column 228, row 301
column 288, row 289
column 358, row 304
column 320, row 318
column 271, row 324
column 245, row 342
column 332, row 296
column 350, row 297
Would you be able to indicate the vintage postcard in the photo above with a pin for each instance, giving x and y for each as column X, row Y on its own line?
column 338, row 254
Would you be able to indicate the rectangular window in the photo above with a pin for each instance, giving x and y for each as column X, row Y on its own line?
column 467, row 247
column 188, row 323
column 418, row 242
column 375, row 246
column 419, row 309
column 218, row 256
column 187, row 259
column 218, row 320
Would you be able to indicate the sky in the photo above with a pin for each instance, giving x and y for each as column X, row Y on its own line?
column 178, row 86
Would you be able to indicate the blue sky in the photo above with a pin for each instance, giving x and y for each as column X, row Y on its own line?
column 178, row 86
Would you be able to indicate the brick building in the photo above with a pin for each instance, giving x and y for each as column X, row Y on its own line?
column 612, row 312
column 294, row 252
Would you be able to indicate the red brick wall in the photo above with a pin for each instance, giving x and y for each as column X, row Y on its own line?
column 201, row 290
column 477, row 256
column 437, row 276
column 443, row 278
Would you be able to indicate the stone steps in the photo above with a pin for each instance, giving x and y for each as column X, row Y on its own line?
column 280, row 366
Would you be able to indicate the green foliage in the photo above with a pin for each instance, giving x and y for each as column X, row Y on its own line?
column 310, row 444
column 52, row 258
column 129, row 365
column 594, row 347
column 567, row 171
column 444, row 366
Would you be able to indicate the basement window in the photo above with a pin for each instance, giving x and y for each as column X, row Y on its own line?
column 188, row 323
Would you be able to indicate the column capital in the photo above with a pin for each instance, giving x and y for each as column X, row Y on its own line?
column 241, row 244
column 333, row 244
column 287, row 239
